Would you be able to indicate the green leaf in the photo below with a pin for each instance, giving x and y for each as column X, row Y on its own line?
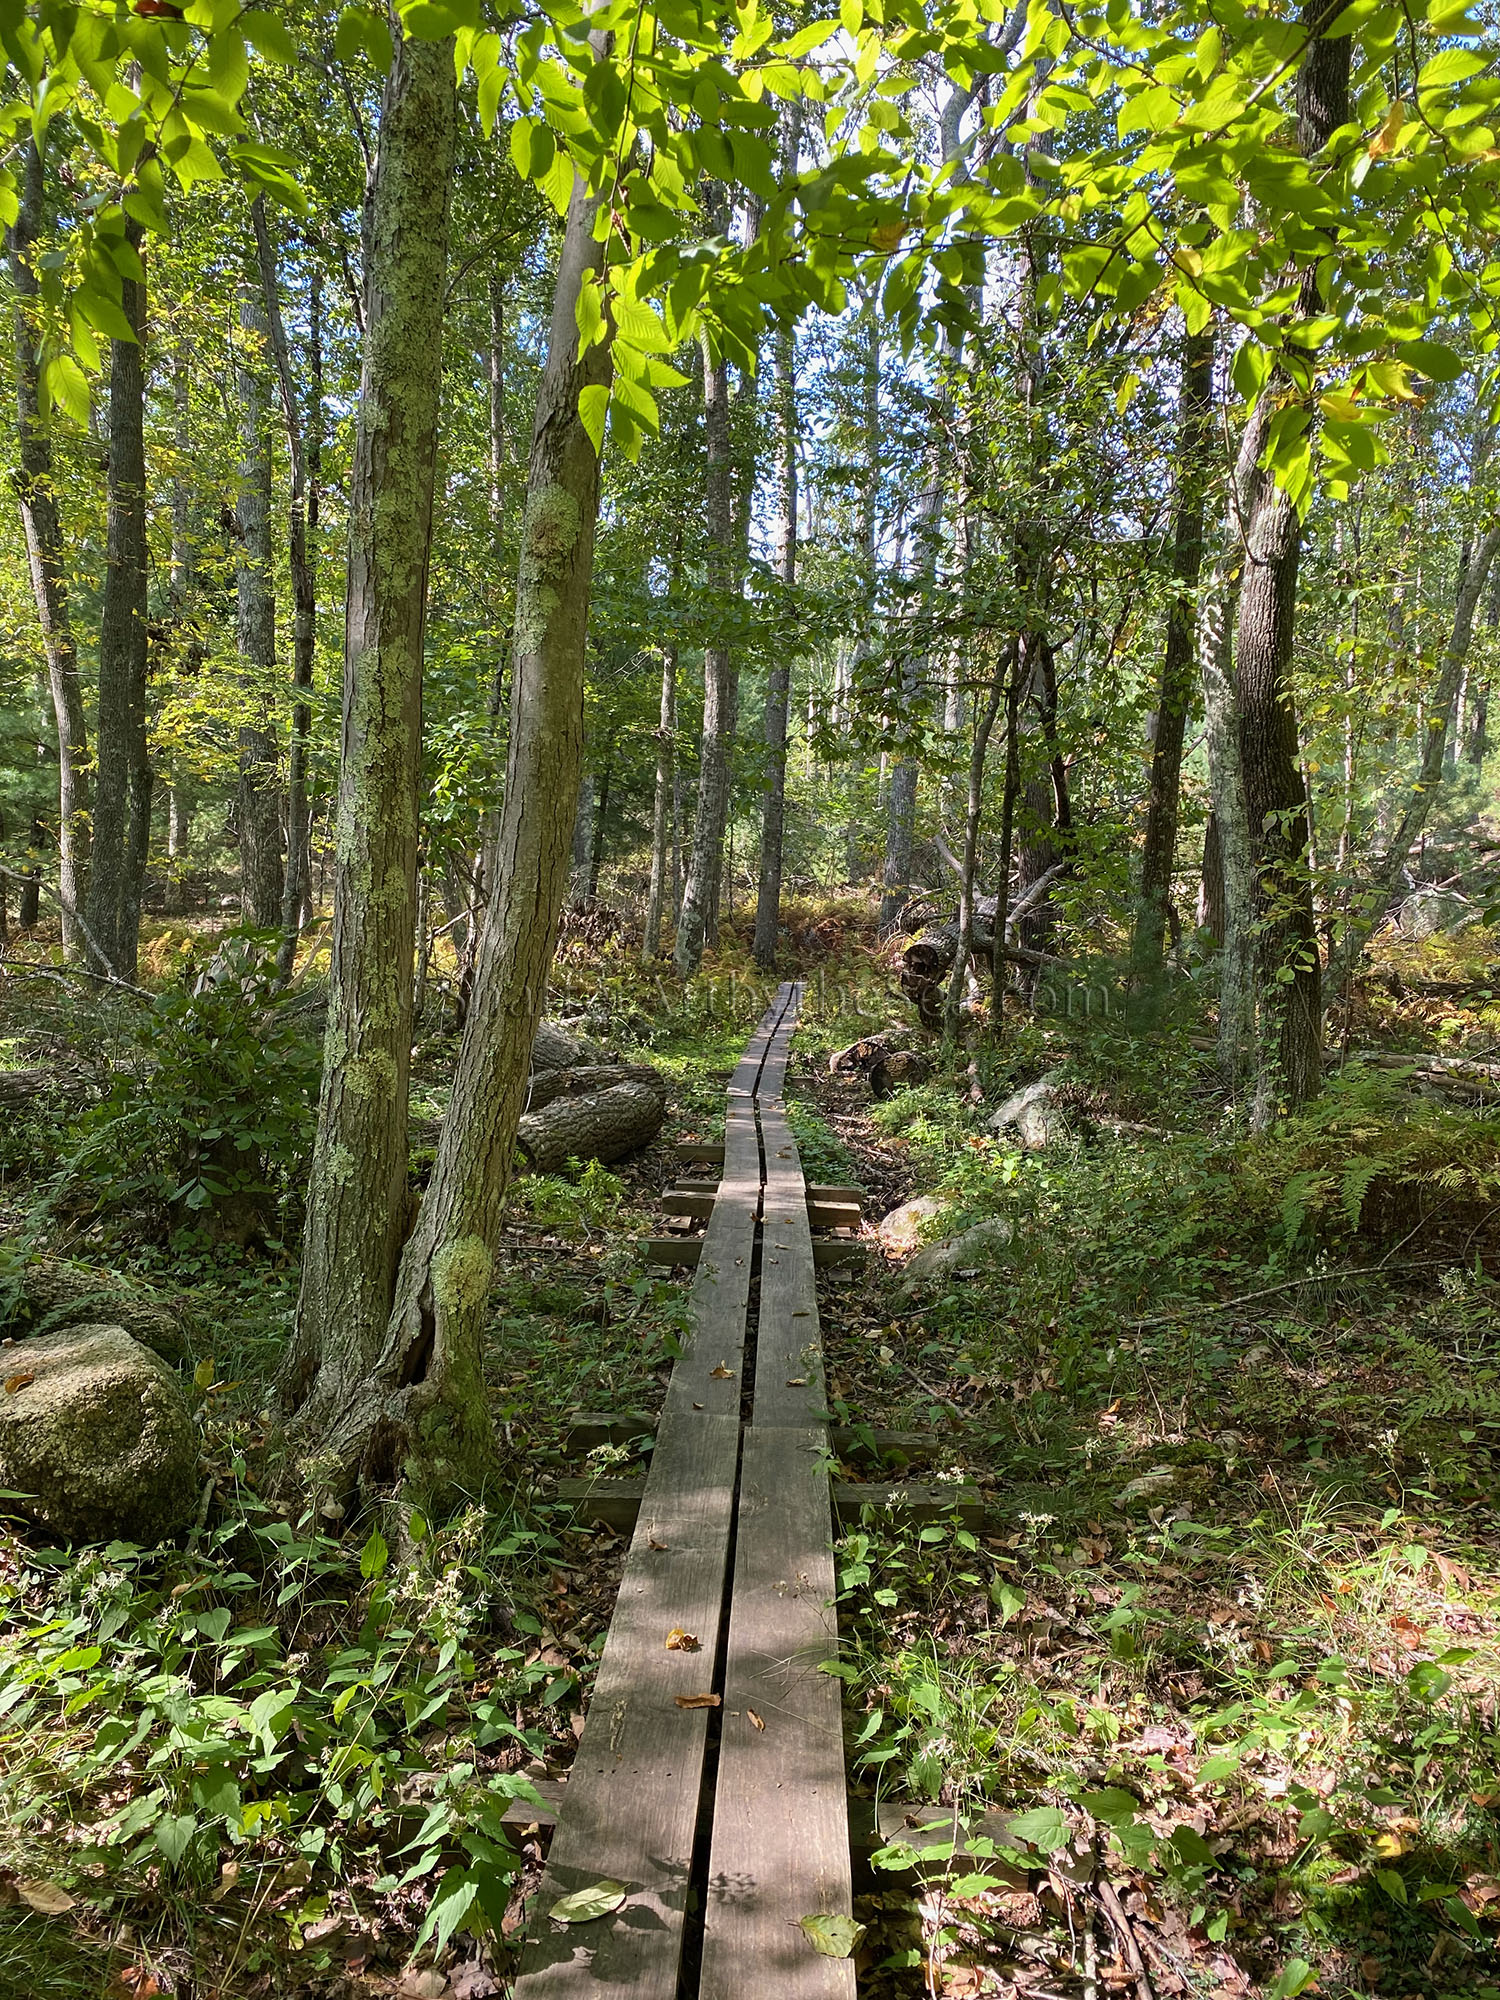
column 452, row 1900
column 1193, row 1848
column 174, row 1836
column 1111, row 1804
column 1392, row 1884
column 833, row 1935
column 1450, row 66
column 593, row 405
column 203, row 1374
column 374, row 1557
column 1432, row 359
column 586, row 1906
column 267, row 35
column 1294, row 1978
column 360, row 32
column 1043, row 1827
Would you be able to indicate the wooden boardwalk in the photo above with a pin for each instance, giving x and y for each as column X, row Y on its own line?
column 727, row 1822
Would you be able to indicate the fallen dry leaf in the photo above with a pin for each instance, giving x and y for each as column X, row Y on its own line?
column 653, row 1543
column 796, row 1382
column 134, row 1982
column 696, row 1700
column 721, row 1373
column 46, row 1898
column 755, row 1718
column 229, row 1874
column 14, row 1382
column 424, row 1986
column 679, row 1641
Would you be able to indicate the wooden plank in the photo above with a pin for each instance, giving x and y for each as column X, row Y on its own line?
column 823, row 1191
column 780, row 1847
column 824, row 1251
column 590, row 1428
column 632, row 1795
column 789, row 1380
column 617, row 1502
column 688, row 1150
column 834, row 1214
column 707, row 1373
column 689, row 1201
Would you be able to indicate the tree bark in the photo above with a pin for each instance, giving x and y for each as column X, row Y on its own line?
column 661, row 805
column 305, row 450
column 984, row 723
column 779, row 674
column 420, row 1397
column 1238, row 970
column 1159, row 851
column 42, row 526
column 1211, row 884
column 596, row 845
column 122, row 794
column 700, row 894
column 603, row 1125
column 259, row 808
column 1291, row 1044
column 357, row 1211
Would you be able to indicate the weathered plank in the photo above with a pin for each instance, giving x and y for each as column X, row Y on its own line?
column 834, row 1214
column 589, row 1428
column 789, row 1382
column 689, row 1201
column 632, row 1795
column 616, row 1503
column 690, row 1250
column 688, row 1150
column 824, row 1191
column 780, row 1848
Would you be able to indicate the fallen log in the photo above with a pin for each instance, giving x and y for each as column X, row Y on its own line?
column 605, row 1125
column 554, row 1048
column 588, row 1078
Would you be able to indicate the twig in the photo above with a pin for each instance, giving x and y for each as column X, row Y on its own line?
column 1121, row 1925
column 17, row 968
column 1289, row 1285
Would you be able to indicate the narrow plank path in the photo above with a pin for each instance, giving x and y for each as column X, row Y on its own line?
column 745, row 1800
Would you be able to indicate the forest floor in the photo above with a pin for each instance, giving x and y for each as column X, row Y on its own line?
column 1224, row 1651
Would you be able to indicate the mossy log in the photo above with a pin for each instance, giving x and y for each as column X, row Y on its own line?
column 603, row 1126
column 54, row 1293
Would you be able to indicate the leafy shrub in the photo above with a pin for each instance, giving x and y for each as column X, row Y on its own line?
column 210, row 1122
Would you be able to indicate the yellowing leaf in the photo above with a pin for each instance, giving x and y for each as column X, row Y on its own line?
column 14, row 1382
column 834, row 1935
column 586, row 1906
column 679, row 1641
column 755, row 1719
column 1390, row 127
column 887, row 236
column 721, row 1373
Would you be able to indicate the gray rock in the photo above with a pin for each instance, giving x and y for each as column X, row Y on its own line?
column 98, row 1434
column 1034, row 1116
column 985, row 1244
column 1153, row 1485
column 906, row 1227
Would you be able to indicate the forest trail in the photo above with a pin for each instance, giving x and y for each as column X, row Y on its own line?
column 709, row 1780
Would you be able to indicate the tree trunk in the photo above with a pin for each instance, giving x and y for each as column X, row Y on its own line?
column 1009, row 792
column 44, row 551
column 779, row 674
column 422, row 1394
column 1275, row 792
column 1237, row 965
column 700, row 896
column 305, row 449
column 1211, row 885
column 984, row 723
column 357, row 1210
column 1194, row 441
column 259, row 812
column 605, row 1125
column 661, row 807
column 122, row 795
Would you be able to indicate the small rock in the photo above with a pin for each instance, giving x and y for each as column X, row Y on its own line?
column 1256, row 1356
column 906, row 1228
column 902, row 1069
column 1035, row 1117
column 985, row 1244
column 100, row 1438
column 1153, row 1485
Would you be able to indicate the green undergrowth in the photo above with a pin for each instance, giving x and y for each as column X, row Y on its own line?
column 1228, row 1635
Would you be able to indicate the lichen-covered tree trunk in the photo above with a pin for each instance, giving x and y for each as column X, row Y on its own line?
column 1237, row 961
column 1159, row 849
column 358, row 1209
column 720, row 692
column 122, row 786
column 42, row 526
column 259, row 803
column 421, row 1403
column 779, row 674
